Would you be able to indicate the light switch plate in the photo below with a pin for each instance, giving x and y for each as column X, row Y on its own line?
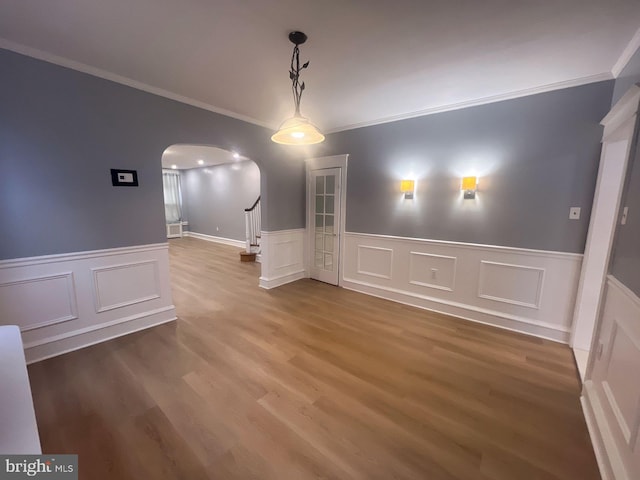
column 574, row 213
column 625, row 212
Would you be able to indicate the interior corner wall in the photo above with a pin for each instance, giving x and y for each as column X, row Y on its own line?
column 535, row 157
column 629, row 76
column 610, row 397
column 215, row 198
column 61, row 131
column 625, row 257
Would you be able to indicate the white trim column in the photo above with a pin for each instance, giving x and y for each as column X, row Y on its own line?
column 619, row 128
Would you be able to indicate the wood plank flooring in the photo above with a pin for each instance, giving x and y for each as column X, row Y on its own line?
column 310, row 381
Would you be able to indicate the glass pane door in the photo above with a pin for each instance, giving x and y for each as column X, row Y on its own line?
column 325, row 201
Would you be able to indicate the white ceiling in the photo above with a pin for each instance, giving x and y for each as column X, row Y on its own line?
column 371, row 60
column 188, row 156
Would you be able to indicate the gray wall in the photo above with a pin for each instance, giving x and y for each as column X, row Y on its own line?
column 215, row 198
column 535, row 157
column 630, row 74
column 60, row 133
column 625, row 258
column 625, row 262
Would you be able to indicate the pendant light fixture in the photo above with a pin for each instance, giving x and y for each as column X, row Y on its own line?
column 297, row 130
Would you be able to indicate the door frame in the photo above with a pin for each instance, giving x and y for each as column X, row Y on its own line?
column 619, row 127
column 321, row 163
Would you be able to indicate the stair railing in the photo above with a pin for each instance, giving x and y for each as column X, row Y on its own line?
column 252, row 226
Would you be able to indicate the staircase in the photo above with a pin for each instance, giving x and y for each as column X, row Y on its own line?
column 252, row 227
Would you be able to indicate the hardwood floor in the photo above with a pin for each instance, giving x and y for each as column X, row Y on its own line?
column 310, row 381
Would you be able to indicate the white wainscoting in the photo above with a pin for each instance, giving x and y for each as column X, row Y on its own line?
column 434, row 271
column 58, row 295
column 611, row 394
column 115, row 288
column 69, row 301
column 375, row 261
column 515, row 284
column 282, row 257
column 211, row 238
column 529, row 291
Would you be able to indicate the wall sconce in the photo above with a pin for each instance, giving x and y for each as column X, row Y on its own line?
column 469, row 185
column 407, row 187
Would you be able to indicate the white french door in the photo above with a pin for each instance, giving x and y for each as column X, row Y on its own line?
column 324, row 214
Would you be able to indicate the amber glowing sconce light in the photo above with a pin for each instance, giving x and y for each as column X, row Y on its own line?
column 408, row 188
column 469, row 186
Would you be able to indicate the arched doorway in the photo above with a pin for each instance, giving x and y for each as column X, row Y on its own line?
column 206, row 192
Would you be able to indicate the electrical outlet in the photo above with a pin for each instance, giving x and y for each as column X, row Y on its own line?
column 574, row 213
column 217, row 229
column 623, row 220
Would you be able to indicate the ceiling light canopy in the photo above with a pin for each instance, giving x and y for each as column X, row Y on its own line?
column 297, row 130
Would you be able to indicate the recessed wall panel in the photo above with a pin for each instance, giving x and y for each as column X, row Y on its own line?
column 623, row 395
column 118, row 286
column 508, row 283
column 433, row 271
column 37, row 302
column 286, row 254
column 375, row 261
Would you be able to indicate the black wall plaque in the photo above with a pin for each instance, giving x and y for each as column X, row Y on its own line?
column 124, row 178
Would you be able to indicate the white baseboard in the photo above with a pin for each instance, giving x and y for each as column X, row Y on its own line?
column 69, row 301
column 268, row 283
column 211, row 238
column 466, row 312
column 37, row 351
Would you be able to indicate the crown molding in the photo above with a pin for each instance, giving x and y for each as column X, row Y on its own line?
column 627, row 53
column 480, row 101
column 98, row 72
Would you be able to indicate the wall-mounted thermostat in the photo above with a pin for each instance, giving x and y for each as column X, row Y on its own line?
column 124, row 178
